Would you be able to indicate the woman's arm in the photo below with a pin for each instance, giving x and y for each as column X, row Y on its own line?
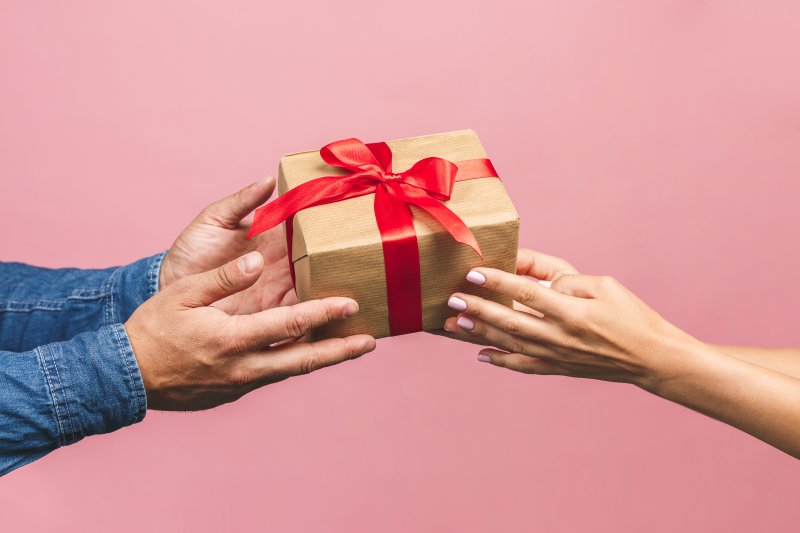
column 763, row 402
column 593, row 327
column 784, row 360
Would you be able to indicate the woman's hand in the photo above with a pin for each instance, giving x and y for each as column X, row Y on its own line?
column 581, row 326
column 593, row 327
column 546, row 268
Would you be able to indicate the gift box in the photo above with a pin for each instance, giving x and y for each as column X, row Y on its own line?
column 396, row 226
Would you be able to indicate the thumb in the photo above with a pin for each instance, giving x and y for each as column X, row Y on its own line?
column 232, row 277
column 229, row 211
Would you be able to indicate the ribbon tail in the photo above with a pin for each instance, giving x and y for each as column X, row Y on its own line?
column 318, row 191
column 471, row 169
column 449, row 220
column 401, row 261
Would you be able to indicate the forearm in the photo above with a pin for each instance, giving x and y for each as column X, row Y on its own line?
column 57, row 394
column 758, row 400
column 40, row 305
column 785, row 360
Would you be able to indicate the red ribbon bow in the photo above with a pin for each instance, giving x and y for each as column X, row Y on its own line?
column 424, row 185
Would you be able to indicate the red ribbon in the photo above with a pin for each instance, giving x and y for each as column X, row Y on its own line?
column 425, row 185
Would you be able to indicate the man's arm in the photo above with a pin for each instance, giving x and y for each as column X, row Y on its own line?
column 176, row 352
column 41, row 305
column 58, row 393
column 784, row 360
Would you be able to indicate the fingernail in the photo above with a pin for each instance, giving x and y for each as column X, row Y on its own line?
column 370, row 345
column 457, row 303
column 249, row 263
column 261, row 183
column 545, row 283
column 483, row 358
column 350, row 308
column 476, row 277
column 465, row 323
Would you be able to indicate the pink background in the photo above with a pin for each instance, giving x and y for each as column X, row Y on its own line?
column 657, row 141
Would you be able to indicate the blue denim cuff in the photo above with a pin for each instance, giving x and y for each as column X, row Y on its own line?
column 94, row 383
column 132, row 285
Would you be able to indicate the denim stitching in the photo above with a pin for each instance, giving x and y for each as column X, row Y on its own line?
column 50, row 305
column 126, row 361
column 42, row 361
column 154, row 273
column 68, row 423
column 38, row 305
column 86, row 294
column 108, row 289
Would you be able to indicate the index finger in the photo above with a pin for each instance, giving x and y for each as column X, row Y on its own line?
column 280, row 323
column 542, row 266
column 523, row 290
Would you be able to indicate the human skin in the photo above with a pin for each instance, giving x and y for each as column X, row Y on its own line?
column 193, row 355
column 222, row 323
column 218, row 235
column 593, row 327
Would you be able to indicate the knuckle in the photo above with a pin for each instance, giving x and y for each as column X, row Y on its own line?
column 224, row 278
column 241, row 377
column 297, row 324
column 229, row 341
column 182, row 288
column 528, row 294
column 309, row 363
column 570, row 343
column 207, row 214
column 511, row 325
column 607, row 282
column 237, row 345
column 560, row 281
column 349, row 349
column 575, row 317
column 516, row 345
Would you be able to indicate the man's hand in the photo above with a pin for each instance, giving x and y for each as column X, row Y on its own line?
column 217, row 235
column 194, row 356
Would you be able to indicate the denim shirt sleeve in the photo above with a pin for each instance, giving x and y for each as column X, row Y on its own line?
column 42, row 305
column 67, row 369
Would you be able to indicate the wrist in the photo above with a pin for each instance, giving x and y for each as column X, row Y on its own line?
column 681, row 360
column 166, row 274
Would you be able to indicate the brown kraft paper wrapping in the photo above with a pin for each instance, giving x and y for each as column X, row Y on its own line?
column 337, row 251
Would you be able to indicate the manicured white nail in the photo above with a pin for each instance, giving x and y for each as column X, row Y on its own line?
column 545, row 283
column 476, row 277
column 457, row 303
column 483, row 358
column 465, row 323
